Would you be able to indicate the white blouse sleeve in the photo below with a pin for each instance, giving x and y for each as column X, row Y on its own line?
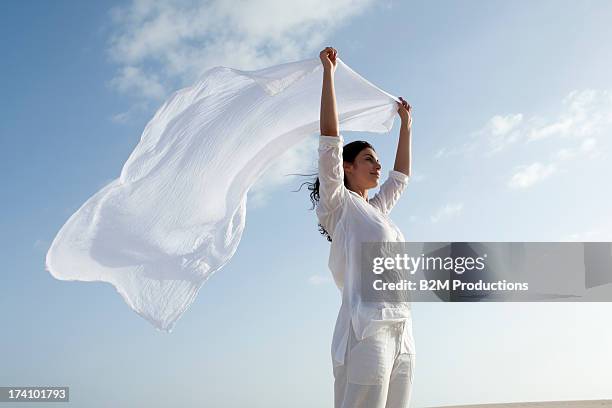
column 390, row 191
column 332, row 192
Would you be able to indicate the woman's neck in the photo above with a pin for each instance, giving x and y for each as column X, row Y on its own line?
column 362, row 192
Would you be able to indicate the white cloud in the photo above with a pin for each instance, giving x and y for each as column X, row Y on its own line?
column 447, row 212
column 560, row 128
column 502, row 125
column 498, row 133
column 133, row 79
column 162, row 45
column 575, row 133
column 502, row 131
column 125, row 117
column 565, row 154
column 121, row 117
column 527, row 176
column 585, row 114
column 586, row 148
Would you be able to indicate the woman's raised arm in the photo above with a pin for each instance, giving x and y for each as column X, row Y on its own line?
column 403, row 155
column 329, row 113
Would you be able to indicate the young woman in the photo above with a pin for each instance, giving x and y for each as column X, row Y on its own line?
column 373, row 348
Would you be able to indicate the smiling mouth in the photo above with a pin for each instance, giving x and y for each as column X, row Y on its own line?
column 376, row 174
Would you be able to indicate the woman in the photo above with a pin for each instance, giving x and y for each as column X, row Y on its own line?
column 373, row 347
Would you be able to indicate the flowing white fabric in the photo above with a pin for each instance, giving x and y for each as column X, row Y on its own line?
column 176, row 213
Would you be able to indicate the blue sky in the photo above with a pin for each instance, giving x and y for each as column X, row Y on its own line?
column 512, row 124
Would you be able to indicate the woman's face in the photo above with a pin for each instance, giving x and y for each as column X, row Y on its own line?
column 364, row 172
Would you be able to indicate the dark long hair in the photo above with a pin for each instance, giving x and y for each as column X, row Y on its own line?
column 349, row 153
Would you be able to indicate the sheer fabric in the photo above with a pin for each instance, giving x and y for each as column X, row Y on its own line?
column 176, row 213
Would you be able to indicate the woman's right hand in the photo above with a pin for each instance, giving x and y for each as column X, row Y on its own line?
column 328, row 58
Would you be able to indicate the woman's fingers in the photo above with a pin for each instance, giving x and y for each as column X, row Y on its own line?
column 404, row 103
column 330, row 53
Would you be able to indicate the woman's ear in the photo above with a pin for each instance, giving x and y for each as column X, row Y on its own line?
column 348, row 167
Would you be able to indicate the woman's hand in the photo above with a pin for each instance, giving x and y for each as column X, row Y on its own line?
column 328, row 58
column 405, row 112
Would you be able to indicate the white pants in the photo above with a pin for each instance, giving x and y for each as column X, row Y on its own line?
column 376, row 372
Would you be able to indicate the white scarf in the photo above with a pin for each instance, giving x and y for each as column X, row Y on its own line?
column 176, row 213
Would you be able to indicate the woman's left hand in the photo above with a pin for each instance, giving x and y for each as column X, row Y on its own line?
column 405, row 112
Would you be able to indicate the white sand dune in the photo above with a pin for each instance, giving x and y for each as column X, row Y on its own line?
column 547, row 404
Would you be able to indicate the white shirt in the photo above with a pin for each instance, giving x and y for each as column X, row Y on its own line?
column 350, row 220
